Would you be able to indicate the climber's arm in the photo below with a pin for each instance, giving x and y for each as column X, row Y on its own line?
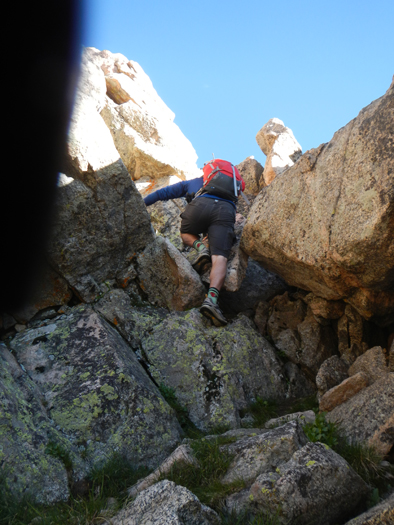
column 174, row 191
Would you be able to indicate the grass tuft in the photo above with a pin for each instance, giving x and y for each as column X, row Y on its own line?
column 204, row 479
column 262, row 410
column 245, row 518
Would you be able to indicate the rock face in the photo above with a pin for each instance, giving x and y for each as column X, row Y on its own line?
column 257, row 285
column 25, row 433
column 316, row 486
column 327, row 224
column 166, row 221
column 149, row 142
column 214, row 372
column 342, row 392
column 263, row 453
column 296, row 332
column 279, row 144
column 252, row 173
column 167, row 504
column 101, row 220
column 288, row 477
column 96, row 391
column 369, row 416
column 168, row 278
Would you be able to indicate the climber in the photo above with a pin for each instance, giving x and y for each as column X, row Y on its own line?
column 211, row 208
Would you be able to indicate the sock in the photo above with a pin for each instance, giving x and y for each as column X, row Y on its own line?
column 213, row 294
column 198, row 245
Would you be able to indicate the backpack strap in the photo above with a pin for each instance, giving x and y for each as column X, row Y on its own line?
column 235, row 182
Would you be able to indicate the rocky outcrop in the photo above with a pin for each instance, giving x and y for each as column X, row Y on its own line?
column 326, row 225
column 316, row 486
column 214, row 372
column 278, row 143
column 297, row 333
column 150, row 144
column 95, row 390
column 101, row 221
column 168, row 504
column 283, row 471
column 79, row 383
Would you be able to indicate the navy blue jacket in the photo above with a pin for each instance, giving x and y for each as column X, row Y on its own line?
column 180, row 189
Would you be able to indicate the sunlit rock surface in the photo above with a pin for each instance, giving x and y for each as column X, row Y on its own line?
column 327, row 223
column 150, row 144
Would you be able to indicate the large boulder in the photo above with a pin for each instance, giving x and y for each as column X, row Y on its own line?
column 264, row 452
column 315, row 487
column 95, row 390
column 133, row 322
column 294, row 480
column 168, row 278
column 327, row 224
column 278, row 143
column 150, row 144
column 214, row 372
column 166, row 503
column 369, row 415
column 331, row 373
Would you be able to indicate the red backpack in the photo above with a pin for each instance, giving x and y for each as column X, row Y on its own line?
column 221, row 178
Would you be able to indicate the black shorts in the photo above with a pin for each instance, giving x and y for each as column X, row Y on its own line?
column 215, row 216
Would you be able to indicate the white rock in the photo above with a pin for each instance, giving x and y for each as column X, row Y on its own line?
column 279, row 144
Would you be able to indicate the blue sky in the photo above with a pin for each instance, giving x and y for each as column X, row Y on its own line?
column 225, row 68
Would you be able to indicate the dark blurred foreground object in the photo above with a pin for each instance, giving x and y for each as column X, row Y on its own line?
column 41, row 61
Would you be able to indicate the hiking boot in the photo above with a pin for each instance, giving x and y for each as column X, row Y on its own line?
column 203, row 257
column 213, row 312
